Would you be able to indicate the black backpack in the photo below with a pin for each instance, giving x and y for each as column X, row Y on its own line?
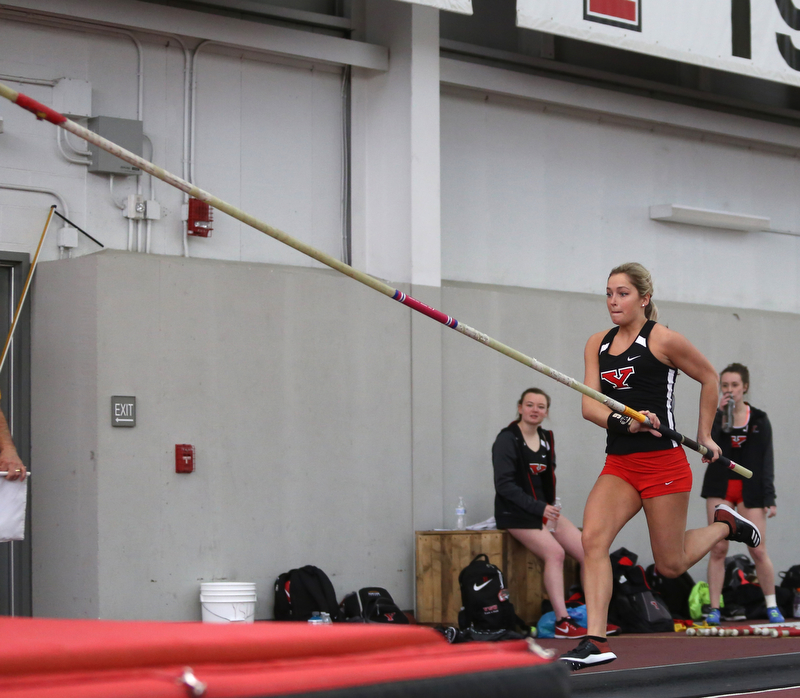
column 739, row 569
column 674, row 592
column 741, row 588
column 634, row 607
column 485, row 604
column 300, row 592
column 372, row 605
column 791, row 578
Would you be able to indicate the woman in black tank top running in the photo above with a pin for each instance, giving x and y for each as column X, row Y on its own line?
column 636, row 363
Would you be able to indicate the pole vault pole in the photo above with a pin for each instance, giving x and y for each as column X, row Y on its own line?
column 43, row 112
column 25, row 289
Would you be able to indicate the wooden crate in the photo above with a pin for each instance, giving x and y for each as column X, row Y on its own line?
column 441, row 555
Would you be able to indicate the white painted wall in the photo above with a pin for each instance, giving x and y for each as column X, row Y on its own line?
column 269, row 139
column 542, row 195
column 395, row 153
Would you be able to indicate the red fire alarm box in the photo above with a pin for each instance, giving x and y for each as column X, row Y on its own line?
column 184, row 458
column 199, row 218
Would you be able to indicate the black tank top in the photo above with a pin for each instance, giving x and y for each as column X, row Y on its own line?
column 537, row 460
column 738, row 437
column 636, row 378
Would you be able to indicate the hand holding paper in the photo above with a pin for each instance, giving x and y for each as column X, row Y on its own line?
column 13, row 499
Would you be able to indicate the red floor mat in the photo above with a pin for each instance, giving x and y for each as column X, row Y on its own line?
column 113, row 659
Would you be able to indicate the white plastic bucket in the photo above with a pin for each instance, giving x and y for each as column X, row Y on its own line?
column 227, row 586
column 228, row 602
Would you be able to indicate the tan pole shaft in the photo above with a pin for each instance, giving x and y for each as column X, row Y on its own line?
column 25, row 288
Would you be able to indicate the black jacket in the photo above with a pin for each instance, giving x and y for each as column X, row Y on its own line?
column 521, row 495
column 755, row 454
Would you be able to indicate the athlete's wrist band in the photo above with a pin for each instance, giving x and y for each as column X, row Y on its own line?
column 618, row 423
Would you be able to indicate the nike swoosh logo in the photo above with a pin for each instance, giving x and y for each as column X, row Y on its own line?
column 478, row 588
column 631, row 358
column 669, row 483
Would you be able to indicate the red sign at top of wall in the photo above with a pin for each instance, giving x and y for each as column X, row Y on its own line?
column 619, row 13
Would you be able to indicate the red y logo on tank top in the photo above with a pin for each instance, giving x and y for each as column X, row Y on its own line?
column 618, row 377
column 738, row 441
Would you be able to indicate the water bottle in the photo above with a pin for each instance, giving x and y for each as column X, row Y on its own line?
column 796, row 613
column 461, row 515
column 727, row 417
column 552, row 523
column 320, row 618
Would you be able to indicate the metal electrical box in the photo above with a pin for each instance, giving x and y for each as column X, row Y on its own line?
column 127, row 133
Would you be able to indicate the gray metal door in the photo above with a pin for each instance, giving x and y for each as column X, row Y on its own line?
column 15, row 557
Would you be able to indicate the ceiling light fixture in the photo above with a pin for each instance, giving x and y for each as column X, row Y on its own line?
column 673, row 213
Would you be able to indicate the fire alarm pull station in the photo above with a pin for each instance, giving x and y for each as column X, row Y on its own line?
column 184, row 458
column 199, row 217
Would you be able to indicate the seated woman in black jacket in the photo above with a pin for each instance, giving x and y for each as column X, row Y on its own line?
column 524, row 461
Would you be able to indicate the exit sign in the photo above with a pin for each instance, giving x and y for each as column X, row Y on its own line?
column 123, row 411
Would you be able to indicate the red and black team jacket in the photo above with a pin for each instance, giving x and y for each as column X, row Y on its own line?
column 751, row 448
column 522, row 489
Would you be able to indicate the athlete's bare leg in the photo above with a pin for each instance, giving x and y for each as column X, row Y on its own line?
column 551, row 549
column 764, row 567
column 716, row 558
column 569, row 536
column 674, row 548
column 611, row 504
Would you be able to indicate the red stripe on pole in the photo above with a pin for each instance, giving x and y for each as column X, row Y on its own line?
column 620, row 9
column 41, row 111
column 420, row 307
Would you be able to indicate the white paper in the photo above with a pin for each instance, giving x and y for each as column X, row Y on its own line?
column 13, row 500
column 488, row 525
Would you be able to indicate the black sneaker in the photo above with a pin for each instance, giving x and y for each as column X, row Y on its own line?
column 733, row 612
column 586, row 654
column 741, row 530
column 728, row 612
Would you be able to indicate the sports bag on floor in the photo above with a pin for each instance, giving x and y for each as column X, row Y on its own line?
column 791, row 578
column 372, row 605
column 675, row 592
column 300, row 592
column 634, row 607
column 739, row 569
column 741, row 587
column 485, row 601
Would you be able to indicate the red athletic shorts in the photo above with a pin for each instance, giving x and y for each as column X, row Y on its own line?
column 652, row 473
column 734, row 493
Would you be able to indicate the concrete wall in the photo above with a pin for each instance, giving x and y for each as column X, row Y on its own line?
column 292, row 385
column 296, row 388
